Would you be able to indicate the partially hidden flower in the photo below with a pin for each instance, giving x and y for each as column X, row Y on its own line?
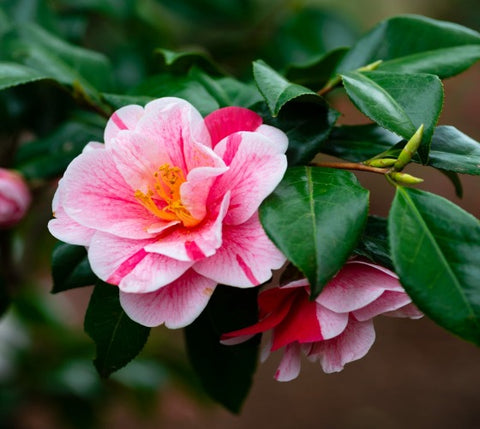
column 14, row 198
column 335, row 328
column 168, row 206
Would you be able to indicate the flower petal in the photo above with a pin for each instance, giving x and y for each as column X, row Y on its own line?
column 256, row 169
column 99, row 198
column 409, row 310
column 352, row 344
column 125, row 118
column 355, row 286
column 245, row 258
column 228, row 120
column 331, row 324
column 128, row 265
column 177, row 304
column 289, row 367
column 388, row 301
column 276, row 135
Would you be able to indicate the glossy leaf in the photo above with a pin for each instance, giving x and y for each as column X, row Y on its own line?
column 373, row 243
column 118, row 339
column 70, row 268
column 277, row 91
column 315, row 217
column 12, row 74
column 415, row 44
column 398, row 102
column 435, row 248
column 226, row 372
column 49, row 157
column 318, row 71
column 307, row 126
column 182, row 62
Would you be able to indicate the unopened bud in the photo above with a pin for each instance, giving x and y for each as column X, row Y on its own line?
column 381, row 162
column 14, row 198
column 404, row 178
column 409, row 150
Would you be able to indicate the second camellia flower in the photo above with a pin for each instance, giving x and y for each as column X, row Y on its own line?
column 168, row 206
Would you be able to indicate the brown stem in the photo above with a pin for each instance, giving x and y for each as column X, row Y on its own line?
column 351, row 166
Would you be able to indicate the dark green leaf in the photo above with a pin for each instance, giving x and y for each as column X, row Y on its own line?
column 239, row 93
column 119, row 100
column 435, row 248
column 182, row 62
column 118, row 339
column 226, row 372
column 12, row 74
column 70, row 268
column 316, row 217
column 398, row 102
column 453, row 150
column 318, row 71
column 49, row 157
column 277, row 91
column 456, row 182
column 359, row 142
column 416, row 44
column 4, row 297
column 373, row 243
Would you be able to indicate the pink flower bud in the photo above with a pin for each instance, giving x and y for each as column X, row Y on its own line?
column 14, row 198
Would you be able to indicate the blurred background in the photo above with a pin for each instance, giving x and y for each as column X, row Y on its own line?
column 416, row 375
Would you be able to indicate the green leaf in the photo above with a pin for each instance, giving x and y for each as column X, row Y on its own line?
column 83, row 70
column 226, row 372
column 277, row 91
column 358, row 143
column 315, row 217
column 398, row 102
column 307, row 126
column 416, row 44
column 182, row 62
column 373, row 243
column 317, row 72
column 12, row 74
column 49, row 157
column 435, row 248
column 240, row 93
column 453, row 150
column 456, row 182
column 4, row 297
column 118, row 339
column 70, row 268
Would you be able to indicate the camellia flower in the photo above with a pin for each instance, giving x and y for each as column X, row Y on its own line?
column 14, row 198
column 168, row 206
column 335, row 328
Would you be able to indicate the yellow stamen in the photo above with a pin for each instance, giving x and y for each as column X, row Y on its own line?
column 167, row 188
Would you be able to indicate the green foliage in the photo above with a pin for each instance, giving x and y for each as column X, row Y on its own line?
column 398, row 102
column 118, row 339
column 435, row 249
column 315, row 217
column 226, row 372
column 70, row 268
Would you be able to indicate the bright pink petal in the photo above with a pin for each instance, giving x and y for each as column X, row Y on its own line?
column 352, row 344
column 409, row 310
column 125, row 118
column 177, row 304
column 389, row 282
column 228, row 120
column 245, row 258
column 64, row 227
column 177, row 127
column 128, row 265
column 289, row 367
column 355, row 286
column 97, row 197
column 192, row 244
column 301, row 324
column 388, row 301
column 255, row 170
column 194, row 192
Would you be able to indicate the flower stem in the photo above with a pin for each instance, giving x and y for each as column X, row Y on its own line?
column 351, row 166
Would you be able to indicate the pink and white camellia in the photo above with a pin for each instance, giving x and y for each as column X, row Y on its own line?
column 168, row 206
column 337, row 327
column 14, row 198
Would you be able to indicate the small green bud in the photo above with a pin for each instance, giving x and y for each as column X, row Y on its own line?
column 380, row 162
column 371, row 66
column 409, row 150
column 404, row 178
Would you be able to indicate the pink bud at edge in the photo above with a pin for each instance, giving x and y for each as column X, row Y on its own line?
column 14, row 198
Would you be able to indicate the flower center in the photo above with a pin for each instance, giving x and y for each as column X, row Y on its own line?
column 165, row 201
